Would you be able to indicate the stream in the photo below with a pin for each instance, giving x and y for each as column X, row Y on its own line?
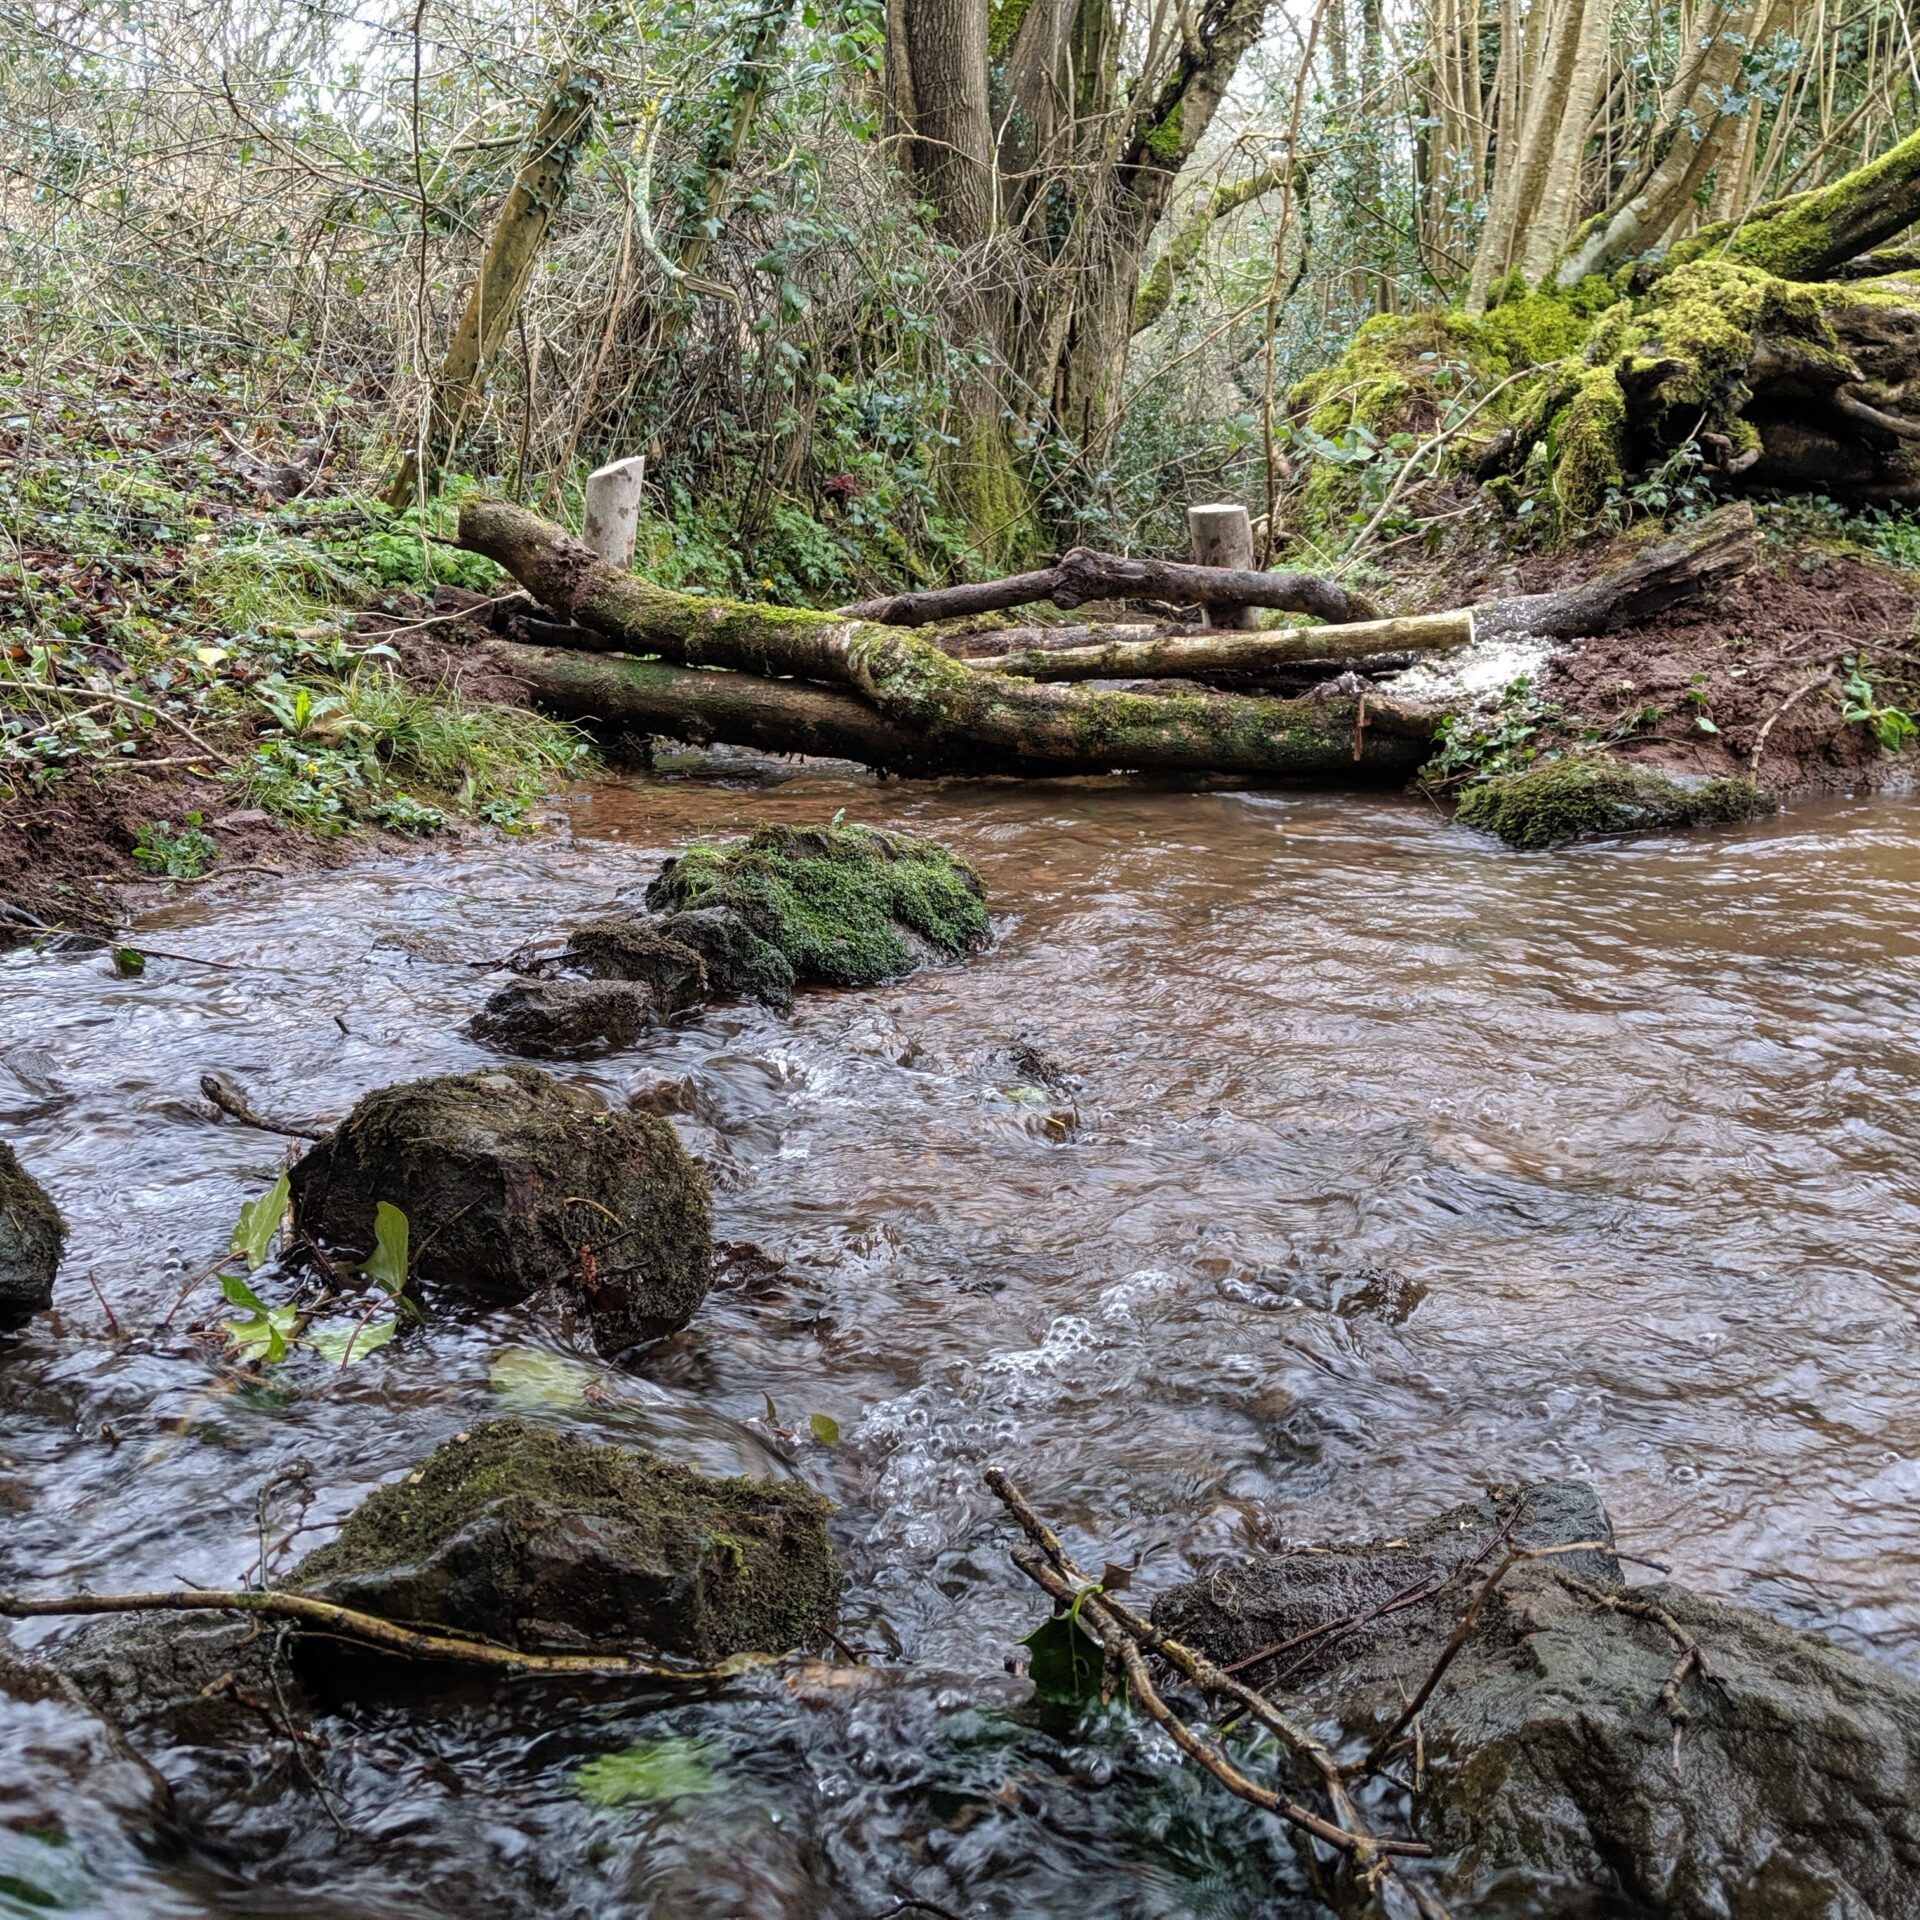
column 1392, row 1164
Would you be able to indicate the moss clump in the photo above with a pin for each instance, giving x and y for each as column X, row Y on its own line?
column 1589, row 444
column 511, row 1181
column 516, row 1531
column 1585, row 796
column 31, row 1237
column 829, row 906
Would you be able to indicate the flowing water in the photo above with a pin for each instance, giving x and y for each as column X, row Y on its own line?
column 1392, row 1164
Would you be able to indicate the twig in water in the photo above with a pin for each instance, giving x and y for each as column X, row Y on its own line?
column 1127, row 1636
column 370, row 1630
column 229, row 1098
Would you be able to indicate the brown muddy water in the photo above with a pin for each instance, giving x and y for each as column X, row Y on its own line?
column 1400, row 1163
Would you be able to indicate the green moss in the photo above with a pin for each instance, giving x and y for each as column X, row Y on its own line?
column 833, row 901
column 1166, row 142
column 1588, row 444
column 528, row 1522
column 1584, row 796
column 1004, row 20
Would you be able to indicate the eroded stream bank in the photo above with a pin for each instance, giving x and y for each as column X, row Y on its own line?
column 1397, row 1163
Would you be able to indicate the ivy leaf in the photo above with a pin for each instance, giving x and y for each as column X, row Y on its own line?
column 259, row 1221
column 239, row 1294
column 264, row 1336
column 649, row 1772
column 1063, row 1661
column 353, row 1341
column 386, row 1266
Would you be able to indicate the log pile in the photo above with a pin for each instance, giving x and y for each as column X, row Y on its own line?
column 860, row 684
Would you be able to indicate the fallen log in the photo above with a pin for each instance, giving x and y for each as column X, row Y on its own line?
column 974, row 720
column 1227, row 651
column 1081, row 575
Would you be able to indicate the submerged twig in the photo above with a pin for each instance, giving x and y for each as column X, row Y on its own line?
column 232, row 1101
column 1127, row 1635
column 370, row 1630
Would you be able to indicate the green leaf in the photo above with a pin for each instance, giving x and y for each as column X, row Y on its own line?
column 649, row 1772
column 259, row 1221
column 264, row 1337
column 773, row 1413
column 531, row 1380
column 387, row 1265
column 239, row 1294
column 129, row 962
column 353, row 1340
column 1063, row 1661
column 824, row 1428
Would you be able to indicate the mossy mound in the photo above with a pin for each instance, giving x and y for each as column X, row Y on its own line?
column 1586, row 796
column 564, row 1019
column 830, row 906
column 31, row 1237
column 511, row 1181
column 530, row 1536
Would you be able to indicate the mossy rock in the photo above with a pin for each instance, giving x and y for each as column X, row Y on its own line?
column 627, row 948
column 32, row 1235
column 837, row 906
column 564, row 1019
column 1549, row 1782
column 1586, row 796
column 511, row 1181
column 538, row 1537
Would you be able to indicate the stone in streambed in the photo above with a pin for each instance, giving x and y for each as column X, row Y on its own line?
column 540, row 1538
column 835, row 906
column 627, row 947
column 512, row 1181
column 564, row 1019
column 31, row 1237
column 1550, row 1775
column 1584, row 796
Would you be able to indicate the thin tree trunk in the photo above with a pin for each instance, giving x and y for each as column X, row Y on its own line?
column 539, row 191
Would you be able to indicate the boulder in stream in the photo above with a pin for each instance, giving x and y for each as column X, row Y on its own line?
column 564, row 1019
column 1584, row 796
column 836, row 906
column 1553, row 1773
column 511, row 1181
column 541, row 1538
column 31, row 1237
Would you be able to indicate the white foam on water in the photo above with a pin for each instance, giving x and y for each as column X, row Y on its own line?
column 1476, row 674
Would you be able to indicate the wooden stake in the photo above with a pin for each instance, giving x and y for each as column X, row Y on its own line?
column 1222, row 536
column 613, row 510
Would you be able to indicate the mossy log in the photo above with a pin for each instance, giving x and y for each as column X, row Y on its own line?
column 1081, row 575
column 951, row 712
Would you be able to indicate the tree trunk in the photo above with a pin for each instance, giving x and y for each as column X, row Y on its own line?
column 513, row 250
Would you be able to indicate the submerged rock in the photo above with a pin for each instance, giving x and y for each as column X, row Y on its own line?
column 1585, row 796
column 541, row 1538
column 80, row 1811
column 838, row 906
column 564, row 1019
column 1550, row 1772
column 511, row 1181
column 31, row 1237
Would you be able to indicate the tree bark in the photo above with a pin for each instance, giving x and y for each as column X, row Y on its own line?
column 954, row 708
